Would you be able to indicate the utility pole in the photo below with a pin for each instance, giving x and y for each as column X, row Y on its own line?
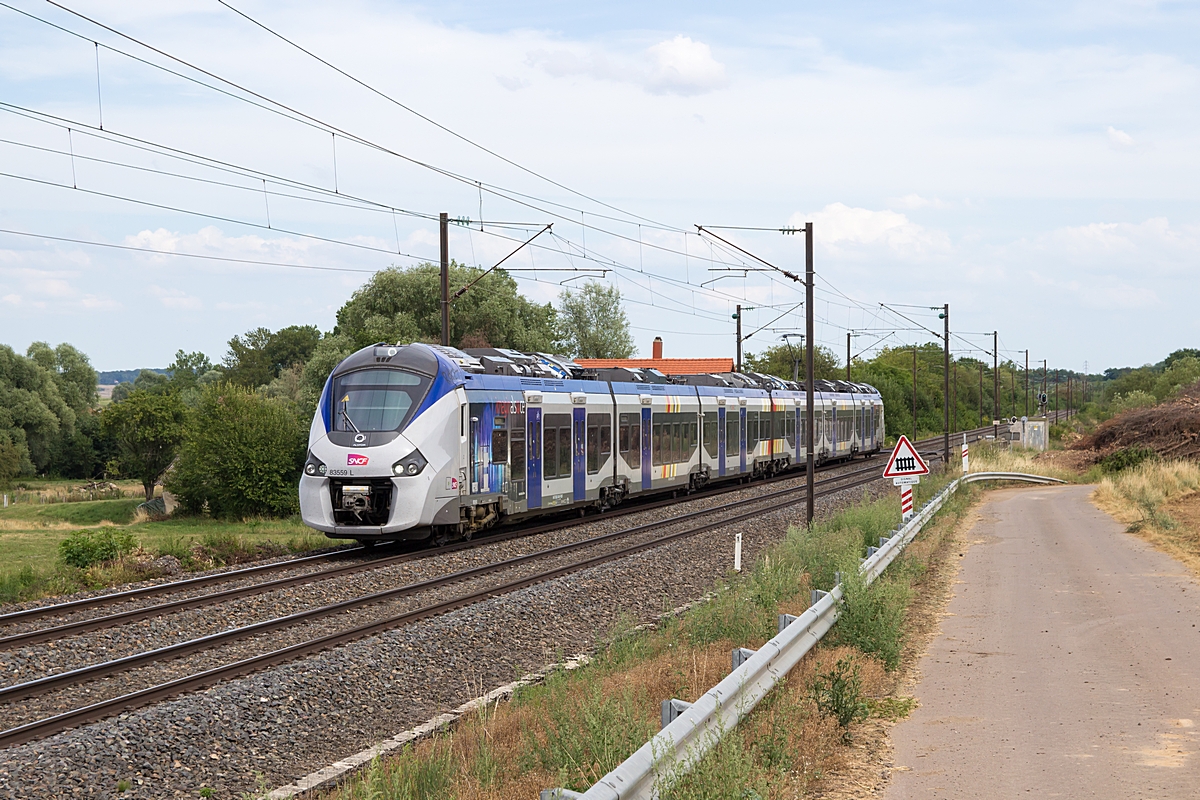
column 1043, row 377
column 444, row 225
column 946, row 388
column 1068, row 393
column 1056, row 392
column 1027, row 383
column 981, row 394
column 914, row 393
column 847, row 356
column 995, row 384
column 1012, row 388
column 809, row 370
column 738, row 317
column 955, row 428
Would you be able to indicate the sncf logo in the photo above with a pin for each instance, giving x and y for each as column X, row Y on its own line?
column 355, row 460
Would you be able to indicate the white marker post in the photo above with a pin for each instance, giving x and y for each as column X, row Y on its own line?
column 905, row 467
column 966, row 459
column 737, row 552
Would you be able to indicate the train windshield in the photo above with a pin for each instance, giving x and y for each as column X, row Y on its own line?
column 376, row 399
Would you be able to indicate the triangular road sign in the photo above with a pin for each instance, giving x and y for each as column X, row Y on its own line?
column 905, row 461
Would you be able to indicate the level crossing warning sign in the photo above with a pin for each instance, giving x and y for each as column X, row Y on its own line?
column 905, row 468
column 905, row 462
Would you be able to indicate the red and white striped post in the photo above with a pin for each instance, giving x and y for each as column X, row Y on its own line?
column 906, row 503
column 966, row 456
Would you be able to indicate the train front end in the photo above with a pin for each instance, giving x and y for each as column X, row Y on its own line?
column 385, row 447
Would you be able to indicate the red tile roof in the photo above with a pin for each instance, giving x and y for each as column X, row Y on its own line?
column 667, row 366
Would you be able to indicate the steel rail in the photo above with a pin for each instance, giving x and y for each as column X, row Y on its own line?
column 50, row 682
column 58, row 609
column 102, row 709
column 164, row 588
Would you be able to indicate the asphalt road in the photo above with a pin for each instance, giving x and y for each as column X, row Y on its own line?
column 1068, row 664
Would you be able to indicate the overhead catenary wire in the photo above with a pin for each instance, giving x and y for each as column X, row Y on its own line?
column 317, row 123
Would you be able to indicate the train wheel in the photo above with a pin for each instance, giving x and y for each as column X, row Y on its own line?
column 367, row 543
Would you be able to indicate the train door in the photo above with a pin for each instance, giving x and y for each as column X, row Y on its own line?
column 742, row 436
column 721, row 441
column 647, row 454
column 534, row 486
column 516, row 450
column 579, row 453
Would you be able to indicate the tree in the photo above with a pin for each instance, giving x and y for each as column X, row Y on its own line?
column 241, row 456
column 33, row 414
column 146, row 428
column 148, row 380
column 778, row 361
column 72, row 371
column 257, row 357
column 592, row 323
column 404, row 305
column 1184, row 352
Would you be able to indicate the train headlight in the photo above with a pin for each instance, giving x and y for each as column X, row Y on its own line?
column 411, row 464
column 314, row 467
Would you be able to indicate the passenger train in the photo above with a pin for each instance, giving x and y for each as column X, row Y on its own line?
column 421, row 442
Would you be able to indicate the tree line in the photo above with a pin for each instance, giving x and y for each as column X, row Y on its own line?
column 233, row 434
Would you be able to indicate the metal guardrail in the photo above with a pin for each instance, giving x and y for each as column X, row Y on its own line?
column 972, row 477
column 696, row 728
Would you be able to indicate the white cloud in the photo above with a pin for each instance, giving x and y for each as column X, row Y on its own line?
column 176, row 298
column 681, row 66
column 1120, row 139
column 686, row 67
column 917, row 201
column 839, row 227
column 13, row 299
column 512, row 84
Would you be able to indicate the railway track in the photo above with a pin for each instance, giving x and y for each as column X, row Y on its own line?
column 692, row 521
column 693, row 525
column 173, row 587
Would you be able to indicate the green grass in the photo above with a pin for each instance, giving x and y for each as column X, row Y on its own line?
column 577, row 725
column 30, row 538
column 88, row 512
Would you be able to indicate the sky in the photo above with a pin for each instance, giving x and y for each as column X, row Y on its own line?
column 172, row 174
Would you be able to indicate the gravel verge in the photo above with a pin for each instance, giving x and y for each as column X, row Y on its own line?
column 278, row 723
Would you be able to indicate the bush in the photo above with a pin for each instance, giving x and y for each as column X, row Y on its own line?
column 1126, row 458
column 838, row 694
column 872, row 617
column 1134, row 399
column 241, row 456
column 84, row 548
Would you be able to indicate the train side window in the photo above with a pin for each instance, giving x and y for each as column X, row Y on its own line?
column 789, row 425
column 656, row 444
column 733, row 438
column 751, row 430
column 709, row 435
column 499, row 440
column 599, row 441
column 764, row 427
column 550, row 453
column 676, row 442
column 630, row 439
column 564, row 452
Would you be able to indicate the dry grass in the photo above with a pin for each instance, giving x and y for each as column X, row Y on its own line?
column 988, row 458
column 1160, row 502
column 578, row 726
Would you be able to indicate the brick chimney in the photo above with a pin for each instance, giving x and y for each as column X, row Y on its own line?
column 658, row 347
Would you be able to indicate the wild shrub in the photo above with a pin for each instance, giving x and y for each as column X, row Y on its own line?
column 82, row 549
column 838, row 694
column 872, row 617
column 1127, row 457
column 241, row 455
column 587, row 732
